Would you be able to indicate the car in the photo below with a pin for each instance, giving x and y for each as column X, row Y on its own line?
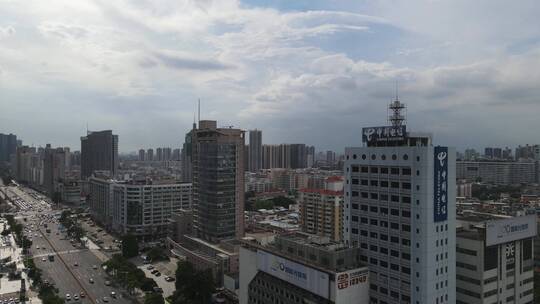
column 91, row 281
column 83, row 295
column 37, row 247
column 150, row 267
column 76, row 297
column 76, row 264
column 94, row 266
column 157, row 274
column 107, row 283
column 154, row 271
column 68, row 297
column 169, row 279
column 158, row 289
column 113, row 294
column 106, row 299
column 43, row 259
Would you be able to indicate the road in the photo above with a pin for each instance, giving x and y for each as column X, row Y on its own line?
column 67, row 277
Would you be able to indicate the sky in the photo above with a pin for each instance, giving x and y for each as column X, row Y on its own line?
column 303, row 71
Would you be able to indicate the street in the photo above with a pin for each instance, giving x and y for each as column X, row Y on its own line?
column 62, row 271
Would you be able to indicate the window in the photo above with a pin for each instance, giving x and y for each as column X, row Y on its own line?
column 364, row 170
column 363, row 232
column 355, row 206
column 383, row 237
column 354, row 168
column 405, row 157
column 405, row 213
column 354, row 193
column 394, row 171
column 373, row 261
column 466, row 251
column 406, row 256
column 373, row 235
column 384, row 170
column 394, row 267
column 354, row 181
column 394, row 185
column 373, row 209
column 406, row 228
column 394, row 226
column 354, row 218
column 384, row 224
column 363, row 207
column 384, row 197
column 373, row 157
column 364, row 195
column 354, row 231
column 394, row 212
column 394, row 157
column 383, row 210
column 373, row 222
column 364, row 182
column 406, row 171
column 364, row 156
column 374, row 170
column 394, row 253
column 383, row 264
column 373, row 248
column 406, row 270
column 384, row 184
column 383, row 250
column 394, row 239
column 363, row 220
column 405, row 242
column 374, row 195
column 406, row 186
column 394, row 198
column 405, row 199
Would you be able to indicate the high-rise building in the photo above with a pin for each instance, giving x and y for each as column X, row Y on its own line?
column 99, row 152
column 142, row 155
column 488, row 153
column 54, row 168
column 400, row 210
column 330, row 158
column 8, row 146
column 167, row 154
column 321, row 212
column 176, row 155
column 528, row 152
column 495, row 260
column 150, row 154
column 187, row 156
column 255, row 150
column 498, row 172
column 159, row 154
column 218, row 182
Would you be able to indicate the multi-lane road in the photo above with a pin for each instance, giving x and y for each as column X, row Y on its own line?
column 73, row 270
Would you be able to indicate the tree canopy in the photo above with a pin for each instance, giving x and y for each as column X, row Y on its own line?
column 130, row 246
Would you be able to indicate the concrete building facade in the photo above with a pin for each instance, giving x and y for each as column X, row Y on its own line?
column 99, row 152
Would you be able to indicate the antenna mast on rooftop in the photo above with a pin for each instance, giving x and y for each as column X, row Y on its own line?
column 395, row 109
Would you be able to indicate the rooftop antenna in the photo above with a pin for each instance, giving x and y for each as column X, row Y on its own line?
column 395, row 108
column 87, row 128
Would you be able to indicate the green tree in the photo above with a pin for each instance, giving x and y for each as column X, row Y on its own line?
column 153, row 298
column 157, row 254
column 130, row 246
column 184, row 272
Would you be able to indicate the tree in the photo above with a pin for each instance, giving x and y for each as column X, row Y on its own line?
column 157, row 254
column 148, row 284
column 192, row 286
column 153, row 298
column 57, row 197
column 184, row 271
column 130, row 246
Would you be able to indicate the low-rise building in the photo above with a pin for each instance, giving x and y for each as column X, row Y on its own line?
column 494, row 259
column 298, row 268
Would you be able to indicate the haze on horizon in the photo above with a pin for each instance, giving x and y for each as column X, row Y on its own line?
column 312, row 72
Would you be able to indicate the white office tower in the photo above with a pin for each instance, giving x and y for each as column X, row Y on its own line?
column 400, row 210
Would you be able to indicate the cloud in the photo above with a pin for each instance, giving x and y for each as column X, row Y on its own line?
column 7, row 31
column 183, row 62
column 316, row 74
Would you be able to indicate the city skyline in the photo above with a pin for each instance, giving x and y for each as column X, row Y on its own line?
column 327, row 69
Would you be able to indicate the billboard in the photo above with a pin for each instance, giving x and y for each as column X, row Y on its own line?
column 352, row 286
column 297, row 274
column 384, row 133
column 506, row 230
column 440, row 184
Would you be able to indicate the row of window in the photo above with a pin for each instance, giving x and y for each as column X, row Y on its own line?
column 382, row 197
column 383, row 157
column 405, row 171
column 383, row 250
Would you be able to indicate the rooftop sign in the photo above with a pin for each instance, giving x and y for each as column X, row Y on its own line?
column 511, row 229
column 384, row 133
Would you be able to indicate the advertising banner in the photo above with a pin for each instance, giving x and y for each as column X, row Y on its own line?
column 440, row 184
column 294, row 273
column 352, row 286
column 506, row 230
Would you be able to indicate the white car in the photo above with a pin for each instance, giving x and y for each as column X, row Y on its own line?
column 68, row 297
column 43, row 259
